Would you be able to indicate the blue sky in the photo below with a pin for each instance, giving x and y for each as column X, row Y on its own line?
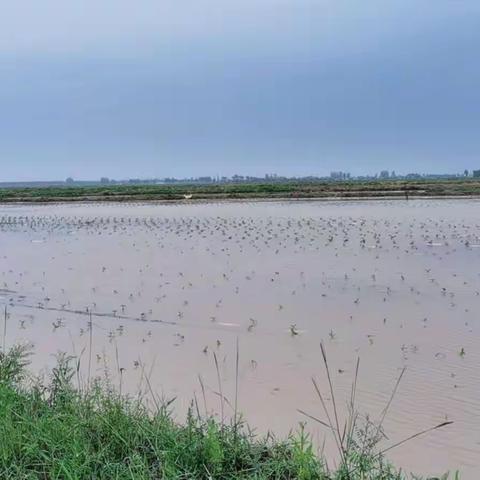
column 158, row 88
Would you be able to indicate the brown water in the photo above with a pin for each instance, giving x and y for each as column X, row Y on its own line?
column 395, row 283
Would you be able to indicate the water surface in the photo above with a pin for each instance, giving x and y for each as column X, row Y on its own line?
column 395, row 283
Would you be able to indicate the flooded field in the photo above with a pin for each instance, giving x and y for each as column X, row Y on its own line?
column 394, row 283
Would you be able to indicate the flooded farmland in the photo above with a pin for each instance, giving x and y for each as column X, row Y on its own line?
column 168, row 287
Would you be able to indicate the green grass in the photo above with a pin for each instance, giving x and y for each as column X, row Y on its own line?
column 290, row 189
column 50, row 430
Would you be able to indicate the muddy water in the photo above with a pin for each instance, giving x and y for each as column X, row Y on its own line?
column 394, row 283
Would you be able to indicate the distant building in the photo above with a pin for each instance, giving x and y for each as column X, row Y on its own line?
column 205, row 179
column 476, row 173
column 69, row 181
column 339, row 175
column 271, row 176
column 104, row 180
column 384, row 174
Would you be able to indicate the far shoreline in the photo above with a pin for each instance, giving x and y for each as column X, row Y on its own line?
column 225, row 200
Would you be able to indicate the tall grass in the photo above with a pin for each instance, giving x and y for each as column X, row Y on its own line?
column 52, row 430
column 359, row 441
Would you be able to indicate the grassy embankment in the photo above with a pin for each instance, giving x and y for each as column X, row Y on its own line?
column 51, row 430
column 293, row 190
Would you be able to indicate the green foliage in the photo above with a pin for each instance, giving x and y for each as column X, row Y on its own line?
column 13, row 363
column 283, row 189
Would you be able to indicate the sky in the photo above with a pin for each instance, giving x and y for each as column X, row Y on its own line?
column 157, row 88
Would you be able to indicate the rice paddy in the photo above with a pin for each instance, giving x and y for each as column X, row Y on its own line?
column 157, row 298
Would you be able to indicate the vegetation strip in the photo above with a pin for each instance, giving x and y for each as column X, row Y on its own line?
column 282, row 190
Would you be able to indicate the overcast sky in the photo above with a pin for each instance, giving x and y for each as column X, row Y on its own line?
column 155, row 88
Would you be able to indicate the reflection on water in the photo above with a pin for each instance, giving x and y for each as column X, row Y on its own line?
column 395, row 283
